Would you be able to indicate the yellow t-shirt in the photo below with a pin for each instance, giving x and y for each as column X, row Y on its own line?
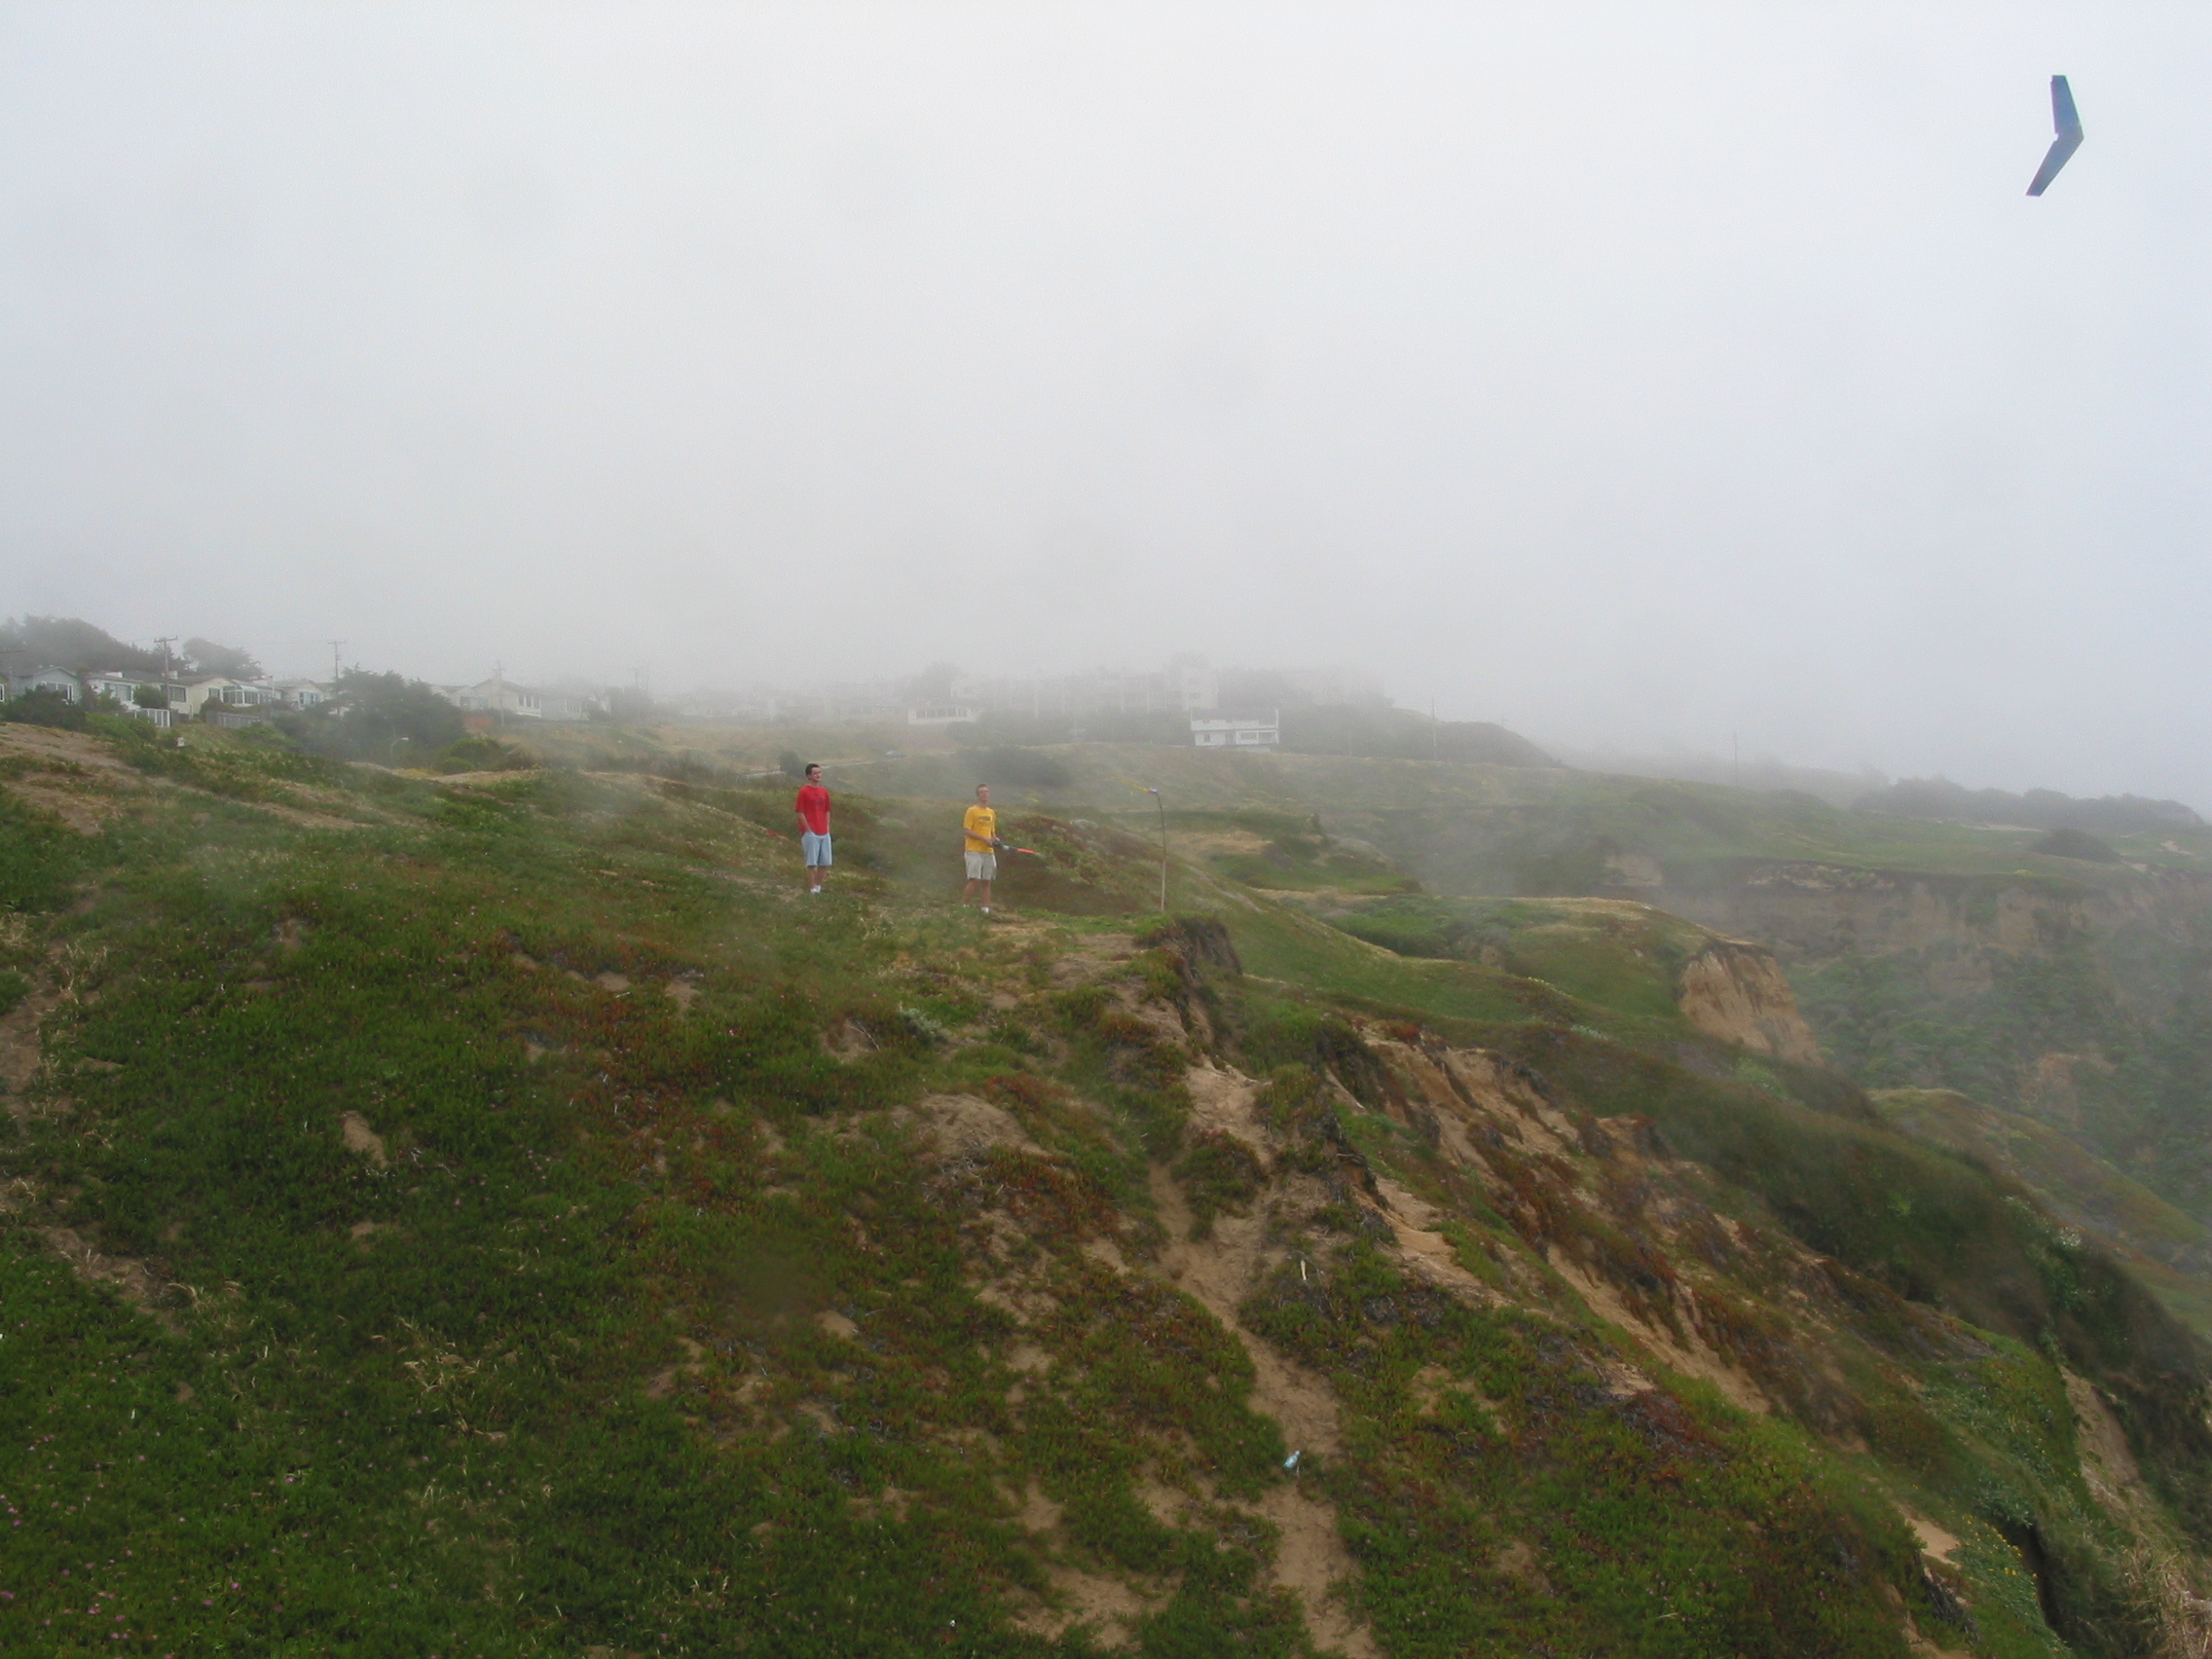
column 982, row 824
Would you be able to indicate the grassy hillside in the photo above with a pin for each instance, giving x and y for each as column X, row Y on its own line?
column 503, row 1215
column 1924, row 954
column 2168, row 1249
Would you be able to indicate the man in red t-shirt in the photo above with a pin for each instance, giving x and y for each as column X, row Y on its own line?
column 813, row 809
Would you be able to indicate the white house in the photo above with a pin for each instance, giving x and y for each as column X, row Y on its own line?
column 1239, row 731
column 119, row 683
column 242, row 702
column 501, row 696
column 942, row 715
column 124, row 686
column 298, row 694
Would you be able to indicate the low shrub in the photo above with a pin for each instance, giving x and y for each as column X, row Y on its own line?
column 44, row 706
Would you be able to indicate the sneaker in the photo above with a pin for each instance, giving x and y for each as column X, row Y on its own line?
column 986, row 909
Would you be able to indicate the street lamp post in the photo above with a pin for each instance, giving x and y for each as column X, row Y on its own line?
column 1160, row 802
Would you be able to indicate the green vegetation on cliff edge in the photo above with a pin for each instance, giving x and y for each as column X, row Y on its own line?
column 506, row 1216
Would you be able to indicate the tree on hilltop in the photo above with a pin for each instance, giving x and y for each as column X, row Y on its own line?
column 68, row 642
column 377, row 716
column 234, row 662
column 632, row 703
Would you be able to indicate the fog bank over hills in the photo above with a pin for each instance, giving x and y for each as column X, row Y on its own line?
column 1870, row 791
column 826, row 341
column 1338, row 708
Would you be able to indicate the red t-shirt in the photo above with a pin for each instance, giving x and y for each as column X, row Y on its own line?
column 813, row 808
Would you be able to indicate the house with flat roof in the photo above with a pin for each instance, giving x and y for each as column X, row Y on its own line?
column 1239, row 731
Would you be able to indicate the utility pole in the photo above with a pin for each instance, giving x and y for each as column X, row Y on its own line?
column 1735, row 761
column 1433, row 725
column 336, row 663
column 165, row 642
column 1161, row 802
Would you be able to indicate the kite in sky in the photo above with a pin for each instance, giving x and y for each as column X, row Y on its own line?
column 2068, row 126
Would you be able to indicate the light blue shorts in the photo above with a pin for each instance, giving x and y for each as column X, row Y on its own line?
column 815, row 848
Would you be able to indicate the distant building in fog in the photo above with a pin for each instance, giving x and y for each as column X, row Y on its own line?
column 502, row 697
column 1239, row 731
column 1187, row 688
column 1186, row 685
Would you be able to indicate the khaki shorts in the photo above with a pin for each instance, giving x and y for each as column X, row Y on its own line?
column 982, row 867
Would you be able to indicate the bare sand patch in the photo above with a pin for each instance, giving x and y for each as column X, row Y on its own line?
column 1933, row 1540
column 137, row 1282
column 361, row 1138
column 20, row 1053
column 966, row 1124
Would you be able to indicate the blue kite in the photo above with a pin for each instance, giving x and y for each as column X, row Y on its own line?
column 2068, row 126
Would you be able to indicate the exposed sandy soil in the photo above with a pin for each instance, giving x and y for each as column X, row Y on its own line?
column 1222, row 1102
column 1311, row 1560
column 361, row 1138
column 67, row 774
column 300, row 816
column 2107, row 1464
column 1463, row 1089
column 1107, row 1606
column 74, row 777
column 662, row 1384
column 134, row 1279
column 963, row 1124
column 21, row 1054
column 1692, row 1358
column 1094, row 954
column 1736, row 992
column 50, row 745
column 1933, row 1539
column 467, row 780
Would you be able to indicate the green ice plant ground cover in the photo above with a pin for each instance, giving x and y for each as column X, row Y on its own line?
column 403, row 1414
column 653, row 1331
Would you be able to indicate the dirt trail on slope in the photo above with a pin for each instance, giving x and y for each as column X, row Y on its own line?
column 20, row 1059
column 20, row 1055
column 1311, row 1560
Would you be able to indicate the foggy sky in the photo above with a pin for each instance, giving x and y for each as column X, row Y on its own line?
column 1634, row 374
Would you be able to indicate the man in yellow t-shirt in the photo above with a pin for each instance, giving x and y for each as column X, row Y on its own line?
column 979, row 825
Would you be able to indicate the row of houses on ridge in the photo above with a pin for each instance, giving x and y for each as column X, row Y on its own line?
column 1187, row 688
column 160, row 699
column 222, row 700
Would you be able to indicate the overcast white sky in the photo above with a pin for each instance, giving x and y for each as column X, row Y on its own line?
column 1630, row 373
